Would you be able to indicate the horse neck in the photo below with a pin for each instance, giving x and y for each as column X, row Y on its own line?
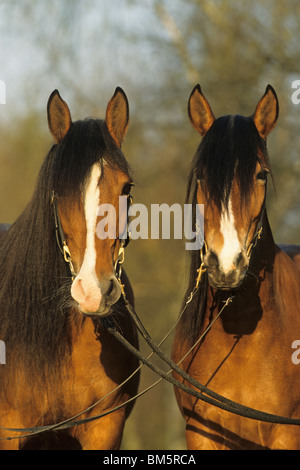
column 265, row 250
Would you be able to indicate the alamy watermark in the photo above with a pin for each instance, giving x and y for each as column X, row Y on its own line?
column 163, row 222
column 296, row 354
column 2, row 353
column 296, row 94
column 2, row 92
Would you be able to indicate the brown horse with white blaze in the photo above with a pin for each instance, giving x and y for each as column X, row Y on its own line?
column 60, row 359
column 246, row 355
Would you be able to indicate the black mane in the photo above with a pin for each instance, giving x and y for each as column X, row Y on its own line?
column 230, row 149
column 36, row 322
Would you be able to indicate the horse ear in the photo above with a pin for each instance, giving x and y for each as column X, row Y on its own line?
column 59, row 116
column 200, row 113
column 266, row 113
column 117, row 116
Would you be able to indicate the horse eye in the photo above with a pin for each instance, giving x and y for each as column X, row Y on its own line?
column 262, row 175
column 126, row 189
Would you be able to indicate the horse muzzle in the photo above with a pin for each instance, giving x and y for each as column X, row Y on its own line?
column 227, row 278
column 93, row 297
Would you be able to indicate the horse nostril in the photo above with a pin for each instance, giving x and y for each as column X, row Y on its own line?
column 110, row 288
column 241, row 261
column 211, row 261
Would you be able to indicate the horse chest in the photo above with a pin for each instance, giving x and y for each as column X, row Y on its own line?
column 91, row 359
column 249, row 371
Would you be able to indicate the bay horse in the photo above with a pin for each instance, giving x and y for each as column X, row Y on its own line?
column 60, row 359
column 246, row 355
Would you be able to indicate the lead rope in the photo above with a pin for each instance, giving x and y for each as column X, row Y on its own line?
column 211, row 397
column 70, row 421
column 64, row 249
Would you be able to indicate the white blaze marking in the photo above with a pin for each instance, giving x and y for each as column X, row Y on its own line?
column 91, row 203
column 231, row 247
column 85, row 289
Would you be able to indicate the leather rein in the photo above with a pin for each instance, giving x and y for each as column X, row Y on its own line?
column 200, row 391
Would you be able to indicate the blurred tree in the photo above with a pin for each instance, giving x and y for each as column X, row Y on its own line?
column 157, row 50
column 234, row 50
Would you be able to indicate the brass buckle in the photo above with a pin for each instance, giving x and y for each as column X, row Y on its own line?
column 200, row 271
column 118, row 267
column 121, row 255
column 254, row 243
column 202, row 268
column 66, row 253
column 68, row 259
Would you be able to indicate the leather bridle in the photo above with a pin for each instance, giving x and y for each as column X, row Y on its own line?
column 63, row 245
column 60, row 236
